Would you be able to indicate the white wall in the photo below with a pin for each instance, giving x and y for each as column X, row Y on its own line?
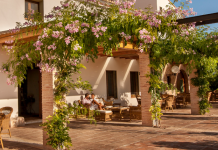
column 162, row 3
column 142, row 4
column 49, row 4
column 11, row 11
column 95, row 73
column 8, row 93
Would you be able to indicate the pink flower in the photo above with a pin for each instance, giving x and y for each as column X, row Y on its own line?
column 103, row 29
column 67, row 40
column 65, row 5
column 27, row 55
column 85, row 25
column 52, row 46
column 38, row 44
column 59, row 24
column 55, row 34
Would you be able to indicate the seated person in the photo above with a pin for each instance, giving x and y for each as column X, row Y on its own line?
column 87, row 102
column 94, row 102
column 91, row 104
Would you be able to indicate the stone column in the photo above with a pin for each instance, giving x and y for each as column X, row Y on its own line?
column 144, row 69
column 47, row 101
column 195, row 110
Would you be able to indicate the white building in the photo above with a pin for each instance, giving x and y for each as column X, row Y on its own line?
column 122, row 73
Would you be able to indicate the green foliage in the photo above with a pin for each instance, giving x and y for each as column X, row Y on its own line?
column 57, row 129
column 155, row 108
column 204, row 106
column 206, row 71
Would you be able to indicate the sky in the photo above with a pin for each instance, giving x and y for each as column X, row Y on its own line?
column 203, row 7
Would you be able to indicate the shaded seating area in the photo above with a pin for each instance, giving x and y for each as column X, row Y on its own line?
column 112, row 110
column 170, row 102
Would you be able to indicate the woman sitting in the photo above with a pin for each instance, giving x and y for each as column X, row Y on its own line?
column 95, row 104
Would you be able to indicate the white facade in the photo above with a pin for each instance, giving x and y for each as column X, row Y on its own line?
column 12, row 11
column 95, row 73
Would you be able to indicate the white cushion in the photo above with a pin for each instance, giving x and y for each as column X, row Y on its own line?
column 104, row 111
column 108, row 106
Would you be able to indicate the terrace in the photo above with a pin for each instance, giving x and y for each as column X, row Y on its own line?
column 179, row 130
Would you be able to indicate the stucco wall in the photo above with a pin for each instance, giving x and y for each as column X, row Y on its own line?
column 49, row 4
column 95, row 73
column 11, row 11
column 8, row 93
column 162, row 3
column 145, row 3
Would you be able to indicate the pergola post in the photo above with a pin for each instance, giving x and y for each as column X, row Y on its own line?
column 195, row 110
column 47, row 101
column 144, row 69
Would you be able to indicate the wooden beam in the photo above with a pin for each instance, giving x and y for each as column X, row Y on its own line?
column 21, row 36
column 200, row 20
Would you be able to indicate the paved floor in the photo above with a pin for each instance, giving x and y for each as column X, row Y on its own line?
column 179, row 130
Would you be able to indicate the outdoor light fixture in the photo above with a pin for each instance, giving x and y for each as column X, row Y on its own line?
column 175, row 70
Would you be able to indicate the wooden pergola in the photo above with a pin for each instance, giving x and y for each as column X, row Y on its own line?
column 200, row 20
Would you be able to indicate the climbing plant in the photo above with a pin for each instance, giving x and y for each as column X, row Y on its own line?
column 73, row 32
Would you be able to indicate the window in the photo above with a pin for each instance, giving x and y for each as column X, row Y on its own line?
column 111, row 78
column 31, row 5
column 134, row 81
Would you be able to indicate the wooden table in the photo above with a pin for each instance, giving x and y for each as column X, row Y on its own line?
column 118, row 111
column 114, row 104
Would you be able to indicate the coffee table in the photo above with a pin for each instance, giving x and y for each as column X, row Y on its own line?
column 118, row 111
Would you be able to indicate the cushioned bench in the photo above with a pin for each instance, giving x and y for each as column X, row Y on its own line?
column 104, row 115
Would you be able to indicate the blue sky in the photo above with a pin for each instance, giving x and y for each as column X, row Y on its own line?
column 203, row 7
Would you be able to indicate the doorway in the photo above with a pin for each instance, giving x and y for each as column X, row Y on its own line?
column 29, row 95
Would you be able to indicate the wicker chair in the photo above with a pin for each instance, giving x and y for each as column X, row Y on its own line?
column 2, row 117
column 169, row 102
column 6, row 122
column 135, row 112
column 182, row 99
column 108, row 103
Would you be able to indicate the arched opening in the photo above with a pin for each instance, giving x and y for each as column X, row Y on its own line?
column 182, row 82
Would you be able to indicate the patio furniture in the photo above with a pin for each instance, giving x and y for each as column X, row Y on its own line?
column 107, row 103
column 216, row 95
column 80, row 112
column 169, row 102
column 104, row 115
column 139, row 100
column 2, row 117
column 116, row 104
column 181, row 99
column 163, row 96
column 162, row 103
column 135, row 112
column 6, row 122
column 209, row 95
column 118, row 112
